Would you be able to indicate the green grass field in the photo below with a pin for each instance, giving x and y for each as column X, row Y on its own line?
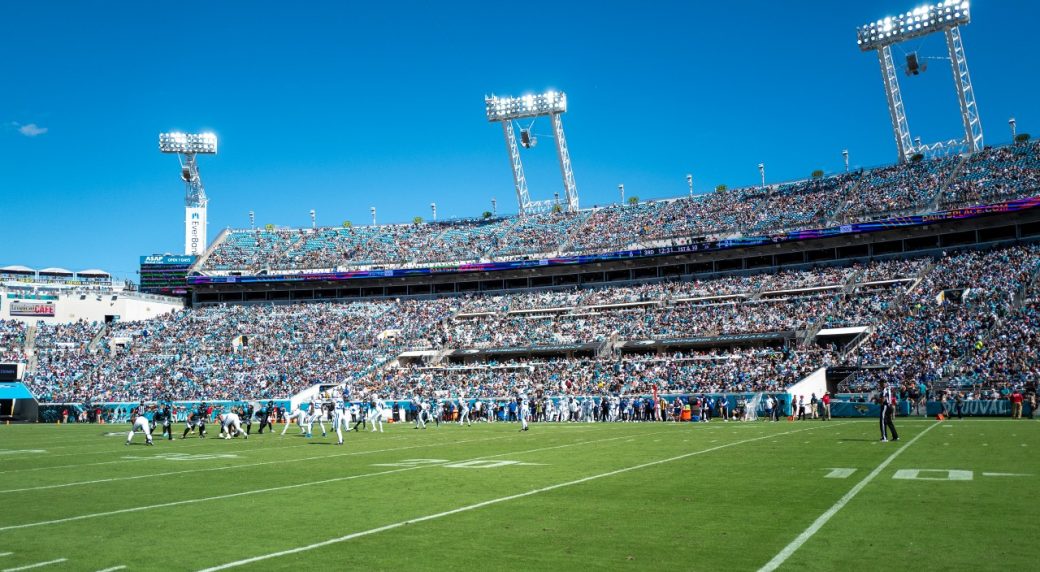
column 599, row 496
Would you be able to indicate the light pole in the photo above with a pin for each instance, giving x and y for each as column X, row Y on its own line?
column 845, row 155
column 1011, row 123
column 621, row 189
column 314, row 223
column 373, row 211
column 433, row 207
column 187, row 146
column 689, row 182
column 252, row 220
column 494, row 207
column 762, row 173
column 551, row 104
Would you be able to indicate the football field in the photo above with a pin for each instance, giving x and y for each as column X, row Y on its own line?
column 626, row 496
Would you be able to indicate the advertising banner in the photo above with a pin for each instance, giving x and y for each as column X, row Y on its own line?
column 194, row 230
column 168, row 260
column 40, row 309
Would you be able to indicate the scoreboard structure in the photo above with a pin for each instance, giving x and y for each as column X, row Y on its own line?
column 166, row 274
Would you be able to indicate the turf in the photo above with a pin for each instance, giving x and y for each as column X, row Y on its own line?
column 577, row 496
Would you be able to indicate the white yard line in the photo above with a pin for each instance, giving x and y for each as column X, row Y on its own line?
column 239, row 466
column 285, row 487
column 808, row 533
column 37, row 565
column 495, row 501
column 124, row 451
column 113, row 569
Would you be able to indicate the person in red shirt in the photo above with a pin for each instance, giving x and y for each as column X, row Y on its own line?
column 826, row 406
column 1016, row 404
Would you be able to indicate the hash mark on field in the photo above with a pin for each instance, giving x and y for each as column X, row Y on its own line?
column 37, row 565
column 6, row 553
column 113, row 569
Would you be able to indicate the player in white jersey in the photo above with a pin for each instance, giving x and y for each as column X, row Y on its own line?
column 341, row 417
column 464, row 411
column 522, row 410
column 231, row 425
column 314, row 413
column 299, row 417
column 142, row 424
column 376, row 413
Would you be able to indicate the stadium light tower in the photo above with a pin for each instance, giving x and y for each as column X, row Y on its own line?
column 621, row 189
column 946, row 17
column 186, row 146
column 433, row 207
column 845, row 155
column 689, row 181
column 1011, row 124
column 553, row 104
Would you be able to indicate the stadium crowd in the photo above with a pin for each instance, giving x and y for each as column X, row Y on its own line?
column 995, row 174
column 992, row 174
column 951, row 312
column 12, row 340
column 265, row 351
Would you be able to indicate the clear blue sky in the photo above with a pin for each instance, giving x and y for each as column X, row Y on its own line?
column 341, row 106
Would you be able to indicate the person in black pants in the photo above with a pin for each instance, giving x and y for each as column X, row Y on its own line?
column 249, row 418
column 200, row 419
column 167, row 421
column 888, row 411
column 265, row 415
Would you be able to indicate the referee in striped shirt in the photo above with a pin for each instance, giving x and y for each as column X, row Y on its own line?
column 888, row 410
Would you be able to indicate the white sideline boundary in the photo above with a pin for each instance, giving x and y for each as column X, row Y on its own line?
column 239, row 466
column 497, row 501
column 293, row 486
column 817, row 524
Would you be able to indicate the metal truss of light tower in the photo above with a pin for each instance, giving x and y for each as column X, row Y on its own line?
column 880, row 36
column 552, row 104
column 186, row 146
